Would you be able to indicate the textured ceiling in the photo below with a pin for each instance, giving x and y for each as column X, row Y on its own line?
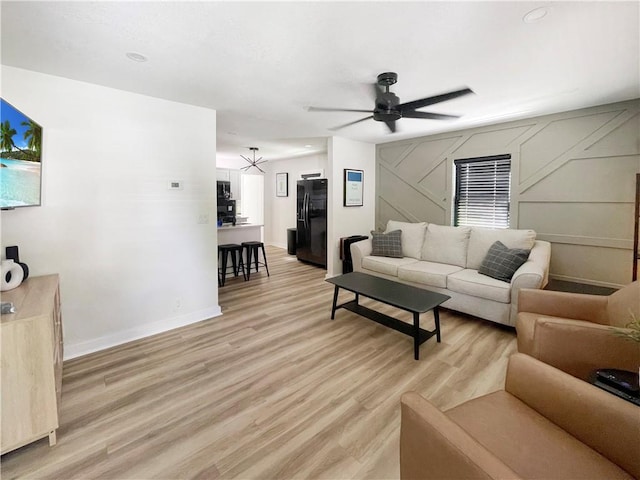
column 259, row 64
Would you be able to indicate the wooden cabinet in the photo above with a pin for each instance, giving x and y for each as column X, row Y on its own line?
column 31, row 363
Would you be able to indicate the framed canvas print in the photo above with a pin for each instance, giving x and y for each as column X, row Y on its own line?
column 353, row 187
column 282, row 184
column 20, row 159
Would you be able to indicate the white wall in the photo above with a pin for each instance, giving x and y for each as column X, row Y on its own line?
column 347, row 221
column 280, row 212
column 253, row 200
column 133, row 259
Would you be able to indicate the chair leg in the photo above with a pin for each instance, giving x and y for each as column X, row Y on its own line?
column 241, row 265
column 248, row 262
column 255, row 253
column 234, row 262
column 224, row 268
column 264, row 256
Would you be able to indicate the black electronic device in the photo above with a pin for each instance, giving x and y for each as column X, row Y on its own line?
column 227, row 211
column 621, row 379
column 223, row 190
column 621, row 383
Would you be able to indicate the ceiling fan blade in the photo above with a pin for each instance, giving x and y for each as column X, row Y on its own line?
column 322, row 109
column 351, row 123
column 392, row 125
column 428, row 115
column 431, row 100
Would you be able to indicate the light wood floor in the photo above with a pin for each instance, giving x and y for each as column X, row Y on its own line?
column 271, row 389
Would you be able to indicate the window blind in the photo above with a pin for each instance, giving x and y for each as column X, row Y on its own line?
column 483, row 191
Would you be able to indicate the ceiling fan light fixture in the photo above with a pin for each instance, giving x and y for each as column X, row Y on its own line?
column 388, row 109
column 253, row 163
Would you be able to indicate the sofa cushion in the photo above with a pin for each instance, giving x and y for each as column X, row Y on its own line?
column 470, row 282
column 412, row 236
column 386, row 265
column 481, row 240
column 444, row 244
column 387, row 244
column 530, row 444
column 428, row 273
column 502, row 262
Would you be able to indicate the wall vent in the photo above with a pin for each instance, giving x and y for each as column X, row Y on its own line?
column 319, row 173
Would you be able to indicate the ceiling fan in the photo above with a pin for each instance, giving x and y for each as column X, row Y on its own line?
column 388, row 108
column 254, row 162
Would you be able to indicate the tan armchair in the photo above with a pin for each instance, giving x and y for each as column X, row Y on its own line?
column 544, row 424
column 573, row 331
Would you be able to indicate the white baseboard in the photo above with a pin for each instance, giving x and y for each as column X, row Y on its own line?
column 74, row 350
column 586, row 281
column 277, row 244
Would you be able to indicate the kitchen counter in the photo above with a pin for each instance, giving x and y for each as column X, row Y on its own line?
column 239, row 233
column 229, row 226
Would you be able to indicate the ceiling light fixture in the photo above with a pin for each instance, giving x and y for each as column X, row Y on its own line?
column 136, row 57
column 254, row 162
column 535, row 15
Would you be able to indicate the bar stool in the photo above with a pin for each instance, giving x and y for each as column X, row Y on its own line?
column 251, row 249
column 234, row 251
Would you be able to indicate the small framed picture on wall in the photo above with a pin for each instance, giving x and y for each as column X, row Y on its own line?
column 353, row 187
column 282, row 184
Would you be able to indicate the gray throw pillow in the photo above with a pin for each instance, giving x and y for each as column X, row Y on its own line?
column 387, row 244
column 502, row 262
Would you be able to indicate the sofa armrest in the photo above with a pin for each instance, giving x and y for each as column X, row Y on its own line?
column 359, row 250
column 577, row 306
column 433, row 446
column 597, row 418
column 579, row 347
column 534, row 273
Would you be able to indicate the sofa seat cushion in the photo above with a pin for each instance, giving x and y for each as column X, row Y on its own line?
column 528, row 443
column 412, row 236
column 443, row 244
column 386, row 265
column 470, row 282
column 427, row 273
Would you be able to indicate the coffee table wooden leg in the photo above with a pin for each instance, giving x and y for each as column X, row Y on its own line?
column 335, row 302
column 416, row 335
column 436, row 317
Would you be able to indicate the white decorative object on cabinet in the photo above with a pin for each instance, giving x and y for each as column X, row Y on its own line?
column 31, row 363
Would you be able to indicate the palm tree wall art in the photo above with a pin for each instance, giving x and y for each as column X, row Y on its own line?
column 20, row 158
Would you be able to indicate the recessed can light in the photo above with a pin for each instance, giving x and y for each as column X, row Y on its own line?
column 136, row 57
column 535, row 15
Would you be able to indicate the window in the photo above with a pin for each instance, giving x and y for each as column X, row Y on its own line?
column 482, row 192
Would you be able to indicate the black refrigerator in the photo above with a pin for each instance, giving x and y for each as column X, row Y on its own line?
column 311, row 245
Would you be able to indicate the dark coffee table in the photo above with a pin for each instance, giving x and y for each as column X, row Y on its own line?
column 412, row 299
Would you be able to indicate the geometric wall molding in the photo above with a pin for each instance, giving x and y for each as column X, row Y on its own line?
column 570, row 182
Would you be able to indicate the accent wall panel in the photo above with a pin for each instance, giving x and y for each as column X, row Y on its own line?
column 572, row 181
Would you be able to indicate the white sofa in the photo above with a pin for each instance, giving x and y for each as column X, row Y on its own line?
column 446, row 260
